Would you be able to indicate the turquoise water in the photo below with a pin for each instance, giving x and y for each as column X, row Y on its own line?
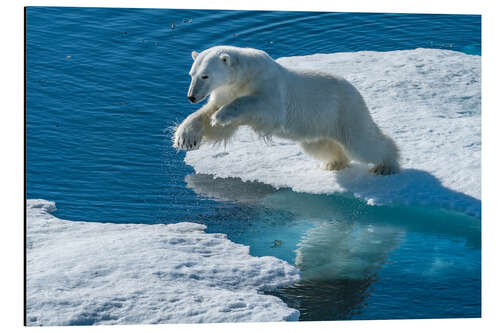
column 105, row 85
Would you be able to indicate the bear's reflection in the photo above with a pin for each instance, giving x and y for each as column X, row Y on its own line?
column 338, row 262
column 336, row 250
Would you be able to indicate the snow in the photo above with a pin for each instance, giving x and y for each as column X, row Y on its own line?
column 428, row 100
column 84, row 273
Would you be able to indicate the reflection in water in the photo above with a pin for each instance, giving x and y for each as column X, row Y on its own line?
column 335, row 250
column 336, row 299
column 341, row 246
column 338, row 262
column 228, row 189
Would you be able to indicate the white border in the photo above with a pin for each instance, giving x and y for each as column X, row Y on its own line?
column 12, row 23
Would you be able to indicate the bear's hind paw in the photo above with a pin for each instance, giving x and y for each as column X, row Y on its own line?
column 383, row 170
column 336, row 165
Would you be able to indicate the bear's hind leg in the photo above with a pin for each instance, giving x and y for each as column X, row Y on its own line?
column 328, row 152
column 378, row 149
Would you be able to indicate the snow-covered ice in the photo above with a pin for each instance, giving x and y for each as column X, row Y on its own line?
column 428, row 100
column 84, row 273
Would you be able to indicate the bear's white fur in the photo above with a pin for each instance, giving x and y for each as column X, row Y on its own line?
column 324, row 113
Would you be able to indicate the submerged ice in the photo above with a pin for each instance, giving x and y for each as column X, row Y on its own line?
column 428, row 100
column 84, row 273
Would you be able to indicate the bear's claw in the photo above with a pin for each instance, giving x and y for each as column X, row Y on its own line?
column 187, row 137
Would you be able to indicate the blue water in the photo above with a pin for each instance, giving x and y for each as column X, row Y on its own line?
column 105, row 85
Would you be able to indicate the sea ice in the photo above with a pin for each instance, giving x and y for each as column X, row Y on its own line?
column 428, row 100
column 85, row 273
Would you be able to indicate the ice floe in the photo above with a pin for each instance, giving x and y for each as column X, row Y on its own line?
column 428, row 100
column 85, row 273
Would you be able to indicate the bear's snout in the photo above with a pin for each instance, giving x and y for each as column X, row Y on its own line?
column 192, row 99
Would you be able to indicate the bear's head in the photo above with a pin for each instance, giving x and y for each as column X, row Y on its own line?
column 211, row 69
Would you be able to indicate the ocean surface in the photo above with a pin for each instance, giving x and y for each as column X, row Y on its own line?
column 104, row 87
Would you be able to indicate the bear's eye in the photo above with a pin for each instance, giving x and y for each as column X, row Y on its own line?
column 204, row 77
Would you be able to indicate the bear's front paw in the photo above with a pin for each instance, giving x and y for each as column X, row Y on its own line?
column 188, row 136
column 223, row 117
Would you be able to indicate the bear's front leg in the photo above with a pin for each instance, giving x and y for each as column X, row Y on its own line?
column 238, row 112
column 189, row 133
column 225, row 116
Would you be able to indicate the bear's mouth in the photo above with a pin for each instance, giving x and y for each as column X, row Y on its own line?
column 193, row 99
column 198, row 100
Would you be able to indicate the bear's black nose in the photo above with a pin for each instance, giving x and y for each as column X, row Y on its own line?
column 192, row 99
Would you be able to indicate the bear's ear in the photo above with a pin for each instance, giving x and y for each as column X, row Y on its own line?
column 225, row 59
column 194, row 54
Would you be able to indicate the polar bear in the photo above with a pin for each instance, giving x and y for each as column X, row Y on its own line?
column 323, row 113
